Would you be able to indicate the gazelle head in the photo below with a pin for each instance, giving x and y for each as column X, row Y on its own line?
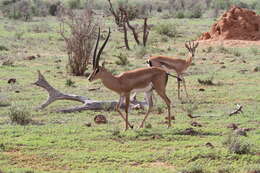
column 191, row 46
column 98, row 70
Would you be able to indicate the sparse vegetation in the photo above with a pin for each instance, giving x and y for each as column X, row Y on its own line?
column 72, row 142
column 70, row 83
column 237, row 145
column 19, row 114
column 167, row 29
column 122, row 59
column 82, row 32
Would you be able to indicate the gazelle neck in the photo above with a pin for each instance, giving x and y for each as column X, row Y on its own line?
column 189, row 59
column 110, row 81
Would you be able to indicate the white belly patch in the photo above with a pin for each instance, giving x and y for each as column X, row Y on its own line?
column 147, row 88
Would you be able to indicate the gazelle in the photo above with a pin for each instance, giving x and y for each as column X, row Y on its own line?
column 175, row 64
column 145, row 79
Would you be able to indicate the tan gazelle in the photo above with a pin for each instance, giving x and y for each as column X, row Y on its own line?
column 145, row 79
column 177, row 65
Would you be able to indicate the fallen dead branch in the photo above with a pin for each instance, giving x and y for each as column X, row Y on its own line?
column 237, row 110
column 88, row 104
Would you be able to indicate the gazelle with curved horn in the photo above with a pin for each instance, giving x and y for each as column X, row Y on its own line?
column 177, row 65
column 145, row 79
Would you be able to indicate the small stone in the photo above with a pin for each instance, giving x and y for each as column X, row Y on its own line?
column 11, row 80
column 29, row 57
column 172, row 118
column 195, row 124
column 201, row 89
column 88, row 124
column 232, row 126
column 100, row 119
column 148, row 126
column 208, row 144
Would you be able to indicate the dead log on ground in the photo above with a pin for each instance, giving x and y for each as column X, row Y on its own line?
column 88, row 104
column 237, row 110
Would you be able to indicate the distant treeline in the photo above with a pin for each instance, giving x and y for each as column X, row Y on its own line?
column 26, row 9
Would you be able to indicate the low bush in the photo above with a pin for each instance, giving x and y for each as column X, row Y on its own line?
column 19, row 114
column 236, row 145
column 122, row 59
column 167, row 29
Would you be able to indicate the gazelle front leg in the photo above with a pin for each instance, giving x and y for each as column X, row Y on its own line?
column 118, row 110
column 184, row 84
column 149, row 99
column 179, row 86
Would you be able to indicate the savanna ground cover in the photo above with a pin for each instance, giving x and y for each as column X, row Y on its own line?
column 56, row 142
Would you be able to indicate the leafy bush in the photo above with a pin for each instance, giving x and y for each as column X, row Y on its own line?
column 122, row 59
column 167, row 29
column 19, row 10
column 236, row 52
column 3, row 48
column 19, row 115
column 141, row 51
column 236, row 145
column 74, row 4
column 179, row 15
column 70, row 83
column 192, row 169
column 254, row 50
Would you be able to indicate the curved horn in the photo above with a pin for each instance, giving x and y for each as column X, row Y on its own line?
column 95, row 51
column 102, row 47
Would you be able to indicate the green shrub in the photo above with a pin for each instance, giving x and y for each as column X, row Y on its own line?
column 254, row 50
column 253, row 169
column 141, row 51
column 167, row 29
column 236, row 52
column 195, row 12
column 74, row 4
column 179, row 15
column 122, row 59
column 222, row 49
column 19, row 115
column 236, row 145
column 3, row 48
column 70, row 83
column 195, row 168
column 225, row 170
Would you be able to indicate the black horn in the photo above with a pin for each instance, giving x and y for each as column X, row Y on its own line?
column 95, row 51
column 101, row 49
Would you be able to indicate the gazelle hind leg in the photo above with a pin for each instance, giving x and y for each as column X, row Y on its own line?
column 159, row 87
column 184, row 84
column 149, row 99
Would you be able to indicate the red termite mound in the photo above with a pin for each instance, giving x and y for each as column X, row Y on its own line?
column 235, row 24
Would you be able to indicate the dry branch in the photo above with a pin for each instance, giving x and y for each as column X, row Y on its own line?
column 237, row 110
column 88, row 104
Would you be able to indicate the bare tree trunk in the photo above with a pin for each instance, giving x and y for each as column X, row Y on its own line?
column 88, row 104
column 146, row 33
column 125, row 36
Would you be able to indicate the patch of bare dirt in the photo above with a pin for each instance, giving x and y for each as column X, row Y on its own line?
column 160, row 165
column 235, row 24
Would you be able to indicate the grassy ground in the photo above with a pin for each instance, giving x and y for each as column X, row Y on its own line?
column 62, row 143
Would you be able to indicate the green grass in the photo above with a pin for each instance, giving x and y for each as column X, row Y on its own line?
column 62, row 143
